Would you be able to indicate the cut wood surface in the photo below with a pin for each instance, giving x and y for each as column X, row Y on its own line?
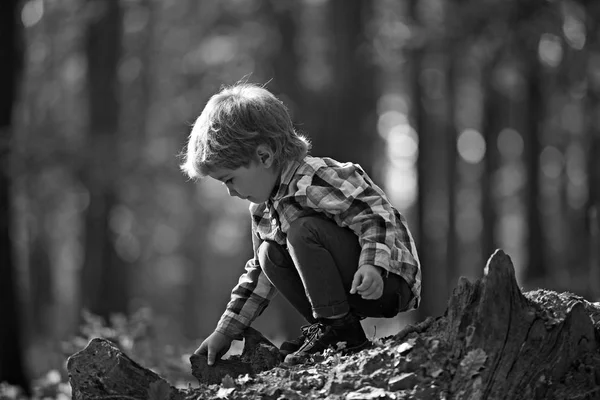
column 493, row 342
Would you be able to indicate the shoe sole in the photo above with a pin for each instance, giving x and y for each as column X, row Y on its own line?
column 301, row 358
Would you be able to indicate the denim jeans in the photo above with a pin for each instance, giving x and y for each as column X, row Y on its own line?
column 316, row 270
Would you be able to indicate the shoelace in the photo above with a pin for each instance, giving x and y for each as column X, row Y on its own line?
column 311, row 330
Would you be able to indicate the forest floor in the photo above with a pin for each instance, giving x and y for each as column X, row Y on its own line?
column 406, row 365
column 417, row 363
column 493, row 342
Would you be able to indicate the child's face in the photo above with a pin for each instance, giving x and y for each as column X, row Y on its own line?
column 253, row 183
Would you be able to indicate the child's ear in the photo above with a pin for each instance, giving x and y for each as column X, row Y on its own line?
column 265, row 155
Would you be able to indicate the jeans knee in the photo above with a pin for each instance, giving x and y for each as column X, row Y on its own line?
column 270, row 255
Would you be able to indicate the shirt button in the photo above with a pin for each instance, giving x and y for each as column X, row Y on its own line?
column 274, row 221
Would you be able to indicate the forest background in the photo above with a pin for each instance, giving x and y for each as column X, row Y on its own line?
column 480, row 119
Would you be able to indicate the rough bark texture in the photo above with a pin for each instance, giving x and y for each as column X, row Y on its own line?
column 102, row 370
column 493, row 342
column 528, row 349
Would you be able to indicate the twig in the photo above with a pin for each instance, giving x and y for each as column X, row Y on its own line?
column 418, row 328
column 584, row 395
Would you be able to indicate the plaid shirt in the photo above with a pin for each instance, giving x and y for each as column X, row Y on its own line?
column 342, row 192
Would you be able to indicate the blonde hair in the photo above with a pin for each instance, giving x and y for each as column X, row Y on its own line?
column 233, row 124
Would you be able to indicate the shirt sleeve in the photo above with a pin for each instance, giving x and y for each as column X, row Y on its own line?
column 349, row 197
column 249, row 297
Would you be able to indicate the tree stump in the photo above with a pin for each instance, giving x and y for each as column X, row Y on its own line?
column 530, row 345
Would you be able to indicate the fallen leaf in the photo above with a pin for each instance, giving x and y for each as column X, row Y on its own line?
column 406, row 346
column 227, row 382
column 223, row 393
column 473, row 362
column 403, row 381
column 245, row 379
column 367, row 393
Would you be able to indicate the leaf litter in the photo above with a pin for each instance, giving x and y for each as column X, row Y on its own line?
column 404, row 366
column 418, row 363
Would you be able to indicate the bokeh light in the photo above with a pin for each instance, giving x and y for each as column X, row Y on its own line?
column 471, row 146
column 550, row 50
column 32, row 12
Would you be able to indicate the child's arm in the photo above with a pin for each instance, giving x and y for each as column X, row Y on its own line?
column 249, row 298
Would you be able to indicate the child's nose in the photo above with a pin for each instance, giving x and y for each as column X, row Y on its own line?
column 232, row 192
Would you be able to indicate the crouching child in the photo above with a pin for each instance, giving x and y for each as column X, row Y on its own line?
column 324, row 235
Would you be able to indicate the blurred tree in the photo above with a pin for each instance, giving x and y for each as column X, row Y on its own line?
column 346, row 107
column 105, row 277
column 592, row 22
column 418, row 114
column 530, row 20
column 429, row 110
column 12, row 368
column 285, row 59
column 453, row 47
column 496, row 108
column 536, row 267
column 136, row 71
column 41, row 203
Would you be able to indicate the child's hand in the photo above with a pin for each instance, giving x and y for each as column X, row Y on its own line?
column 367, row 282
column 214, row 346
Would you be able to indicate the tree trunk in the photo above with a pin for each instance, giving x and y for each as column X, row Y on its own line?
column 11, row 53
column 493, row 342
column 105, row 275
column 428, row 119
column 451, row 173
column 493, row 106
column 418, row 115
column 535, row 106
column 349, row 129
column 285, row 60
column 593, row 158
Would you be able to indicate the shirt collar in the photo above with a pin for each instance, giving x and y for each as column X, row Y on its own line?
column 287, row 173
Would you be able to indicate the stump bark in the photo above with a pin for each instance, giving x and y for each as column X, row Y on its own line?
column 101, row 371
column 531, row 347
column 495, row 341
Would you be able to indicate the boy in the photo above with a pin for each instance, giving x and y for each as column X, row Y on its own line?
column 324, row 234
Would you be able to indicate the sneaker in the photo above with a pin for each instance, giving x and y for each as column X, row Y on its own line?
column 328, row 333
column 291, row 346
